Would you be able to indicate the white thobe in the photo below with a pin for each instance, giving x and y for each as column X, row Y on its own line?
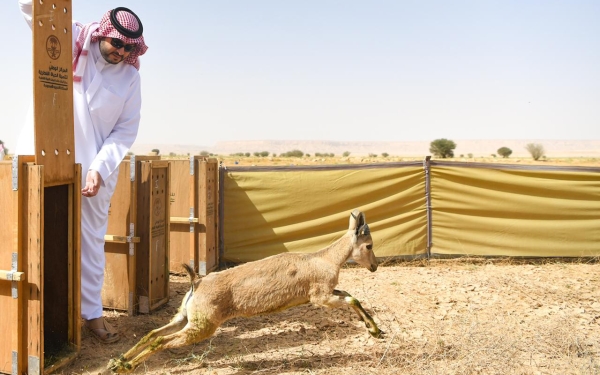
column 107, row 105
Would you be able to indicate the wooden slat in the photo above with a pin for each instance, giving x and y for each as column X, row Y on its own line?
column 75, row 334
column 53, row 90
column 9, row 237
column 182, row 220
column 34, row 244
column 207, row 193
column 120, row 239
column 12, row 276
column 159, row 234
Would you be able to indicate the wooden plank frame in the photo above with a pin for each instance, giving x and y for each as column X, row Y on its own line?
column 194, row 197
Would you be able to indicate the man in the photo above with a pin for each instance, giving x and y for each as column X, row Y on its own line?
column 107, row 102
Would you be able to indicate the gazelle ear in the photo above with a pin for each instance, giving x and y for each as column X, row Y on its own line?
column 364, row 230
column 355, row 219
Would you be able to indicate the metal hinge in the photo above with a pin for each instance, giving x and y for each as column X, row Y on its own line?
column 15, row 173
column 192, row 224
column 130, row 239
column 13, row 268
column 15, row 363
column 132, row 168
column 33, row 365
column 202, row 268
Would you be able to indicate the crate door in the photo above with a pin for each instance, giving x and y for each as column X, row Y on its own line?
column 182, row 216
column 153, row 252
column 207, row 204
column 11, row 291
column 118, row 291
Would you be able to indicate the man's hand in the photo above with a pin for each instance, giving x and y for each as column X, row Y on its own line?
column 92, row 184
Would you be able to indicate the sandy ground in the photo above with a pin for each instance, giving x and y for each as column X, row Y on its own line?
column 467, row 316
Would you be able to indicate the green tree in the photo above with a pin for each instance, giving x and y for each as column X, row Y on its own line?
column 504, row 152
column 156, row 150
column 346, row 154
column 204, row 153
column 536, row 150
column 385, row 154
column 442, row 148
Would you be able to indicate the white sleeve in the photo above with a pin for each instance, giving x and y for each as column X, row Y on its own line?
column 124, row 133
column 27, row 10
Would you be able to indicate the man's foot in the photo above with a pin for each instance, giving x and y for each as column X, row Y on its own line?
column 103, row 331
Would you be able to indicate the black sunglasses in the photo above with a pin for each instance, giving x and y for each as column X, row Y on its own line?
column 118, row 44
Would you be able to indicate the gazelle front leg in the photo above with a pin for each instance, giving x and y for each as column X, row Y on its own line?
column 355, row 304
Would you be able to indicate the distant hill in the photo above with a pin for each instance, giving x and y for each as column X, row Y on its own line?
column 479, row 148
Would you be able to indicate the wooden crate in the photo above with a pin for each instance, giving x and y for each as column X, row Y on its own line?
column 39, row 269
column 136, row 277
column 193, row 202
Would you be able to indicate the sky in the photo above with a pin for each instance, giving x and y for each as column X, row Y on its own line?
column 346, row 70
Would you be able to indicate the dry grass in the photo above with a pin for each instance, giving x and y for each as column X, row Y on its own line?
column 456, row 316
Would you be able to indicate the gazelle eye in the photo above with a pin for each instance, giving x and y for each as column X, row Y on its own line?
column 369, row 247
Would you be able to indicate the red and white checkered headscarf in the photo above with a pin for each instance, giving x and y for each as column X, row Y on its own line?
column 130, row 33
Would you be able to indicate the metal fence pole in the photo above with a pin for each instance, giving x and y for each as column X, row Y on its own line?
column 427, row 168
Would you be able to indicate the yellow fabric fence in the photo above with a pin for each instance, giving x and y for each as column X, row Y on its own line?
column 475, row 209
column 510, row 211
column 274, row 210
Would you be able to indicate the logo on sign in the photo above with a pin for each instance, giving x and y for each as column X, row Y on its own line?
column 53, row 47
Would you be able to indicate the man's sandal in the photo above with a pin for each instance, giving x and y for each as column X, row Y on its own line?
column 103, row 331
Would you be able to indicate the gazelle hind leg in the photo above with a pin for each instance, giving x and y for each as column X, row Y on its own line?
column 190, row 334
column 176, row 324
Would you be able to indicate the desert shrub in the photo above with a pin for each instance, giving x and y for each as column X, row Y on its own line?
column 536, row 150
column 293, row 153
column 385, row 154
column 204, row 153
column 156, row 150
column 442, row 148
column 470, row 155
column 346, row 154
column 504, row 152
column 372, row 155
